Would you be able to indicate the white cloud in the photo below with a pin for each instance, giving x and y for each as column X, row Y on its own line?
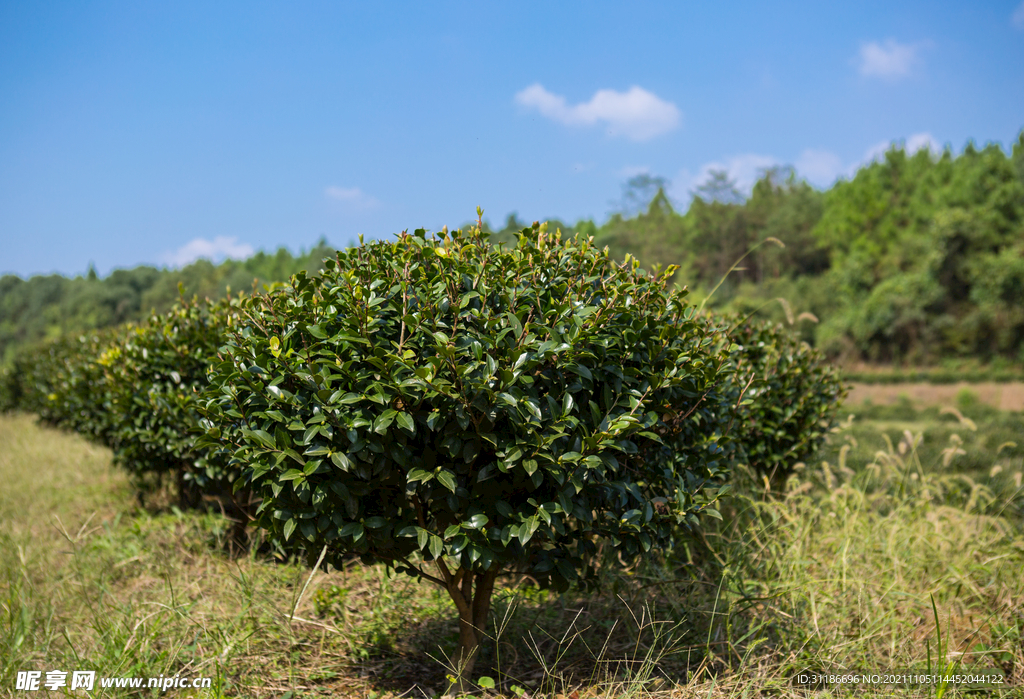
column 634, row 170
column 742, row 169
column 353, row 196
column 819, row 167
column 891, row 61
column 636, row 114
column 215, row 250
column 911, row 145
column 923, row 141
column 1018, row 17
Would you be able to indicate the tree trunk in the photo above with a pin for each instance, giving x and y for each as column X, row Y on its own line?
column 474, row 604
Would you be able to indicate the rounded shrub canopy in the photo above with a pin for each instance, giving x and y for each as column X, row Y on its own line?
column 785, row 396
column 439, row 397
column 154, row 376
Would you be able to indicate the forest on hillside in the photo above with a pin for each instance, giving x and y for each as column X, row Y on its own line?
column 917, row 259
column 46, row 306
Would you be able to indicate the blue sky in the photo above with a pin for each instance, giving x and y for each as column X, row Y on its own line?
column 151, row 133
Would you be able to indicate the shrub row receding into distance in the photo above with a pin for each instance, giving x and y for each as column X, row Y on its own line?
column 455, row 409
column 133, row 389
column 786, row 397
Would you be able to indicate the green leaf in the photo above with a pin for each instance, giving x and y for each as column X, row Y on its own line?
column 308, row 529
column 436, row 546
column 530, row 465
column 353, row 529
column 520, row 360
column 517, row 327
column 433, row 420
column 341, row 461
column 289, row 527
column 566, row 569
column 486, row 682
column 384, row 420
column 376, row 522
column 264, row 438
column 419, row 474
column 477, row 521
column 581, row 370
column 295, row 456
column 422, row 537
column 406, row 422
column 293, row 474
column 531, row 406
column 526, row 530
column 447, row 479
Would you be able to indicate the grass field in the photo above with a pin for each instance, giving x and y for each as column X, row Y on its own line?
column 906, row 514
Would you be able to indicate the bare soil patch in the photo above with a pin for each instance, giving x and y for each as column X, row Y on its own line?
column 1005, row 396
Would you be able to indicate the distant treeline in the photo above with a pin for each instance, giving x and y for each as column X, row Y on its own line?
column 47, row 306
column 917, row 259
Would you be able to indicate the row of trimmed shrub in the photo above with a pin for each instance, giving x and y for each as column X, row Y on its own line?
column 444, row 403
column 134, row 389
column 763, row 398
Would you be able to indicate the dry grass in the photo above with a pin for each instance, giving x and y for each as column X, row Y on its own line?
column 839, row 570
column 1001, row 395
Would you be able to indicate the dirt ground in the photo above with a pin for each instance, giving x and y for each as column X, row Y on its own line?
column 1005, row 396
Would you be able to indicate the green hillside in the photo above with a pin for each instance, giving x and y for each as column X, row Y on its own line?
column 47, row 306
column 918, row 258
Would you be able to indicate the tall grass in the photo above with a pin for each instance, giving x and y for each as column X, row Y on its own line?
column 845, row 564
column 839, row 570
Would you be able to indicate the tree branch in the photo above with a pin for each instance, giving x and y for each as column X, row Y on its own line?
column 423, row 574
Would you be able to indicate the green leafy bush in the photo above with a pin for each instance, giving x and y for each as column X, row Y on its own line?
column 64, row 384
column 155, row 376
column 482, row 408
column 134, row 389
column 12, row 385
column 786, row 397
